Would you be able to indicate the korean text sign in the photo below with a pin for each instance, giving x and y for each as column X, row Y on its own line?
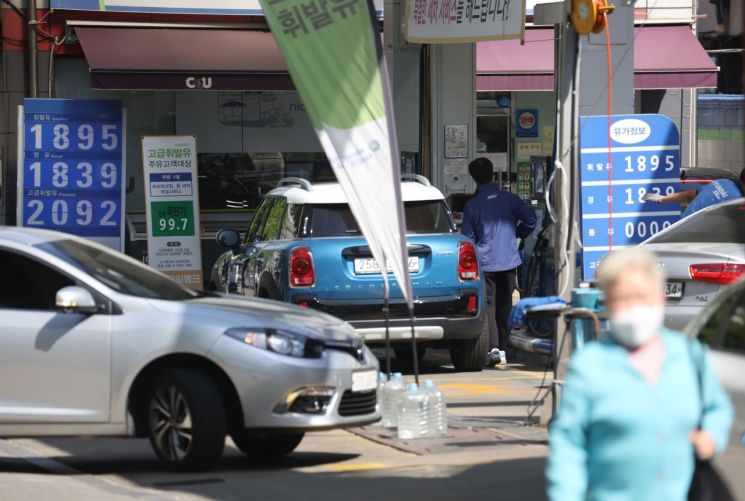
column 72, row 175
column 645, row 159
column 441, row 21
column 172, row 207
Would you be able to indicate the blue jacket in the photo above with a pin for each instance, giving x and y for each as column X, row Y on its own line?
column 617, row 437
column 491, row 220
column 719, row 190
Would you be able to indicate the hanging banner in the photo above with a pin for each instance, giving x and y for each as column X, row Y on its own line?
column 646, row 159
column 456, row 21
column 336, row 61
column 71, row 159
column 172, row 207
column 202, row 7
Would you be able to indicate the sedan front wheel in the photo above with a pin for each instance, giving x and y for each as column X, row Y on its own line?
column 186, row 420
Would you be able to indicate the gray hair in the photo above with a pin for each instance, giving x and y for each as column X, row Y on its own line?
column 618, row 262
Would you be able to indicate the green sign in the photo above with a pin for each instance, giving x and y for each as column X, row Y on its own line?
column 172, row 219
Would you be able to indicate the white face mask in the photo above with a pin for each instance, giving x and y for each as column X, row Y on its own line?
column 636, row 326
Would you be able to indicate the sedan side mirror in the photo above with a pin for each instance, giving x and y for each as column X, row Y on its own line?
column 230, row 239
column 74, row 299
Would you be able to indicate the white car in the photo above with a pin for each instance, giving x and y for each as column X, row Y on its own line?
column 95, row 343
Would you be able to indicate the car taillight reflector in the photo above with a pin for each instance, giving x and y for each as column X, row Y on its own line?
column 471, row 304
column 718, row 273
column 468, row 265
column 302, row 273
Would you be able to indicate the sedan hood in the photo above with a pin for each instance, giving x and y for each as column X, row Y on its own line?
column 250, row 312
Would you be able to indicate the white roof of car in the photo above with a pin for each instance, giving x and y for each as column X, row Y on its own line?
column 303, row 192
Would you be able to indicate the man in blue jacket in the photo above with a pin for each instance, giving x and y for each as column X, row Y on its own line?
column 495, row 219
column 715, row 192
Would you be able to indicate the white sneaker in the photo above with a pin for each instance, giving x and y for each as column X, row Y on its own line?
column 493, row 357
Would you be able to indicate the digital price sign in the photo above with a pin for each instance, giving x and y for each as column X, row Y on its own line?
column 72, row 172
column 645, row 158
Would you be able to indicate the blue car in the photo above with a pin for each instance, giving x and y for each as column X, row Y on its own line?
column 303, row 246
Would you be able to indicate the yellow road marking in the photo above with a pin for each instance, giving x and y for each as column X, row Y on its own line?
column 358, row 466
column 473, row 389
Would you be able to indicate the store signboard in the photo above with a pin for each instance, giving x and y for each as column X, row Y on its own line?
column 646, row 159
column 455, row 21
column 71, row 176
column 202, row 7
column 172, row 207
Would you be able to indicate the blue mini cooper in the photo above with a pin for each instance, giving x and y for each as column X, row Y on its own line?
column 303, row 246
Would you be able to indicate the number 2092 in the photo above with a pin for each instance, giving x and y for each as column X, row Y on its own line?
column 65, row 213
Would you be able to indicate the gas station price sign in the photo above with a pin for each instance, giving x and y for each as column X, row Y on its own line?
column 645, row 158
column 72, row 175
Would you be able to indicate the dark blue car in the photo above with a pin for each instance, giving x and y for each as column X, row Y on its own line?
column 303, row 246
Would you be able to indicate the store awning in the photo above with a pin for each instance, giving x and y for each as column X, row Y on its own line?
column 665, row 57
column 183, row 59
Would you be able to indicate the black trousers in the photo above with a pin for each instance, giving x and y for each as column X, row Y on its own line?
column 499, row 286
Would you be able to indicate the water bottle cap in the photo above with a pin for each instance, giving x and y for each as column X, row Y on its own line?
column 413, row 387
column 397, row 375
column 428, row 383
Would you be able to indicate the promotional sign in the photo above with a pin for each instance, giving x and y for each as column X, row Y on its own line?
column 218, row 7
column 526, row 123
column 71, row 175
column 645, row 159
column 336, row 60
column 172, row 207
column 442, row 21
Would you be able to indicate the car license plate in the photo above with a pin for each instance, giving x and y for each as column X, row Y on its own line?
column 364, row 380
column 369, row 266
column 674, row 289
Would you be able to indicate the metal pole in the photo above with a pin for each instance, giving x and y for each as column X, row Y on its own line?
column 413, row 348
column 387, row 338
column 31, row 55
column 567, row 45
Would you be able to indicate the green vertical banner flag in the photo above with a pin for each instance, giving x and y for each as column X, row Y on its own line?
column 335, row 57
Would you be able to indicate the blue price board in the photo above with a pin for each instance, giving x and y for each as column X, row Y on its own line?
column 645, row 158
column 72, row 176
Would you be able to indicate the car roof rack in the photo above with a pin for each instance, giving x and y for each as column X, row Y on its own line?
column 416, row 178
column 296, row 181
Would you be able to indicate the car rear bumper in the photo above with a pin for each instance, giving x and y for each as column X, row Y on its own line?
column 678, row 316
column 436, row 318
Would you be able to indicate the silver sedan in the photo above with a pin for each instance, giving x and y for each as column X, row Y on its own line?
column 701, row 254
column 95, row 343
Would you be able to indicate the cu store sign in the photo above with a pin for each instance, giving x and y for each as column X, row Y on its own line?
column 72, row 159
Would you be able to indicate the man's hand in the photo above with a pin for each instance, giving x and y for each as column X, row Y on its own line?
column 703, row 444
column 652, row 197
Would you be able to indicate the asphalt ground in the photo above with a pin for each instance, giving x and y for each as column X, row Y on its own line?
column 494, row 450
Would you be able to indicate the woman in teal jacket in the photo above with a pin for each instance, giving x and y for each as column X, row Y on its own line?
column 627, row 425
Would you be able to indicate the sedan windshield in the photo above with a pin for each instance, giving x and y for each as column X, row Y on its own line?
column 117, row 273
column 723, row 224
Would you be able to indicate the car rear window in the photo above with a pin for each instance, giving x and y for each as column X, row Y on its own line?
column 724, row 224
column 334, row 220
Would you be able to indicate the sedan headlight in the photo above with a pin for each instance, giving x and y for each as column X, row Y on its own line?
column 278, row 341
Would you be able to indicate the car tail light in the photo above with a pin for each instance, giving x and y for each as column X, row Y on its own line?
column 718, row 273
column 468, row 265
column 302, row 273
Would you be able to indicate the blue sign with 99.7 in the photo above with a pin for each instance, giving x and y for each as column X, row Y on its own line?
column 645, row 158
column 72, row 172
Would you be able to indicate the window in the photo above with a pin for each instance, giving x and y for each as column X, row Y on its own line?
column 28, row 284
column 120, row 274
column 726, row 224
column 725, row 329
column 274, row 220
column 257, row 223
column 333, row 220
column 291, row 227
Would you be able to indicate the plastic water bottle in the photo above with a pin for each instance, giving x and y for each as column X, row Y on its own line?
column 391, row 397
column 413, row 414
column 438, row 420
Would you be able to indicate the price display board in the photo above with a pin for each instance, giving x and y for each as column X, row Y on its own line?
column 645, row 159
column 171, row 196
column 72, row 175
